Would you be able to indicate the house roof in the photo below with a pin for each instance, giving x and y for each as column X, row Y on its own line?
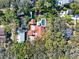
column 36, row 32
column 39, row 27
column 39, row 31
column 32, row 21
column 35, row 29
column 30, row 33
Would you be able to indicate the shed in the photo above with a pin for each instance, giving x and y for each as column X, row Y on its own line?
column 32, row 22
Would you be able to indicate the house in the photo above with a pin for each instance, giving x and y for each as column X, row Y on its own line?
column 63, row 2
column 36, row 28
column 34, row 31
column 22, row 28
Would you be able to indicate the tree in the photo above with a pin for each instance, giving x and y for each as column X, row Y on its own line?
column 68, row 18
column 9, row 16
column 47, row 4
column 76, row 11
column 73, row 6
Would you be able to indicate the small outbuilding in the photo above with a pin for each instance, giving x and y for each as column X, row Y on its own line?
column 36, row 28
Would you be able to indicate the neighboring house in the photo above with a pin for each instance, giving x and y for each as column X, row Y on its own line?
column 36, row 28
column 63, row 2
column 67, row 12
column 22, row 28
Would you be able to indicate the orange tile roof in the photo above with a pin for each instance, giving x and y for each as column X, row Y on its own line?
column 30, row 33
column 37, row 32
column 32, row 21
